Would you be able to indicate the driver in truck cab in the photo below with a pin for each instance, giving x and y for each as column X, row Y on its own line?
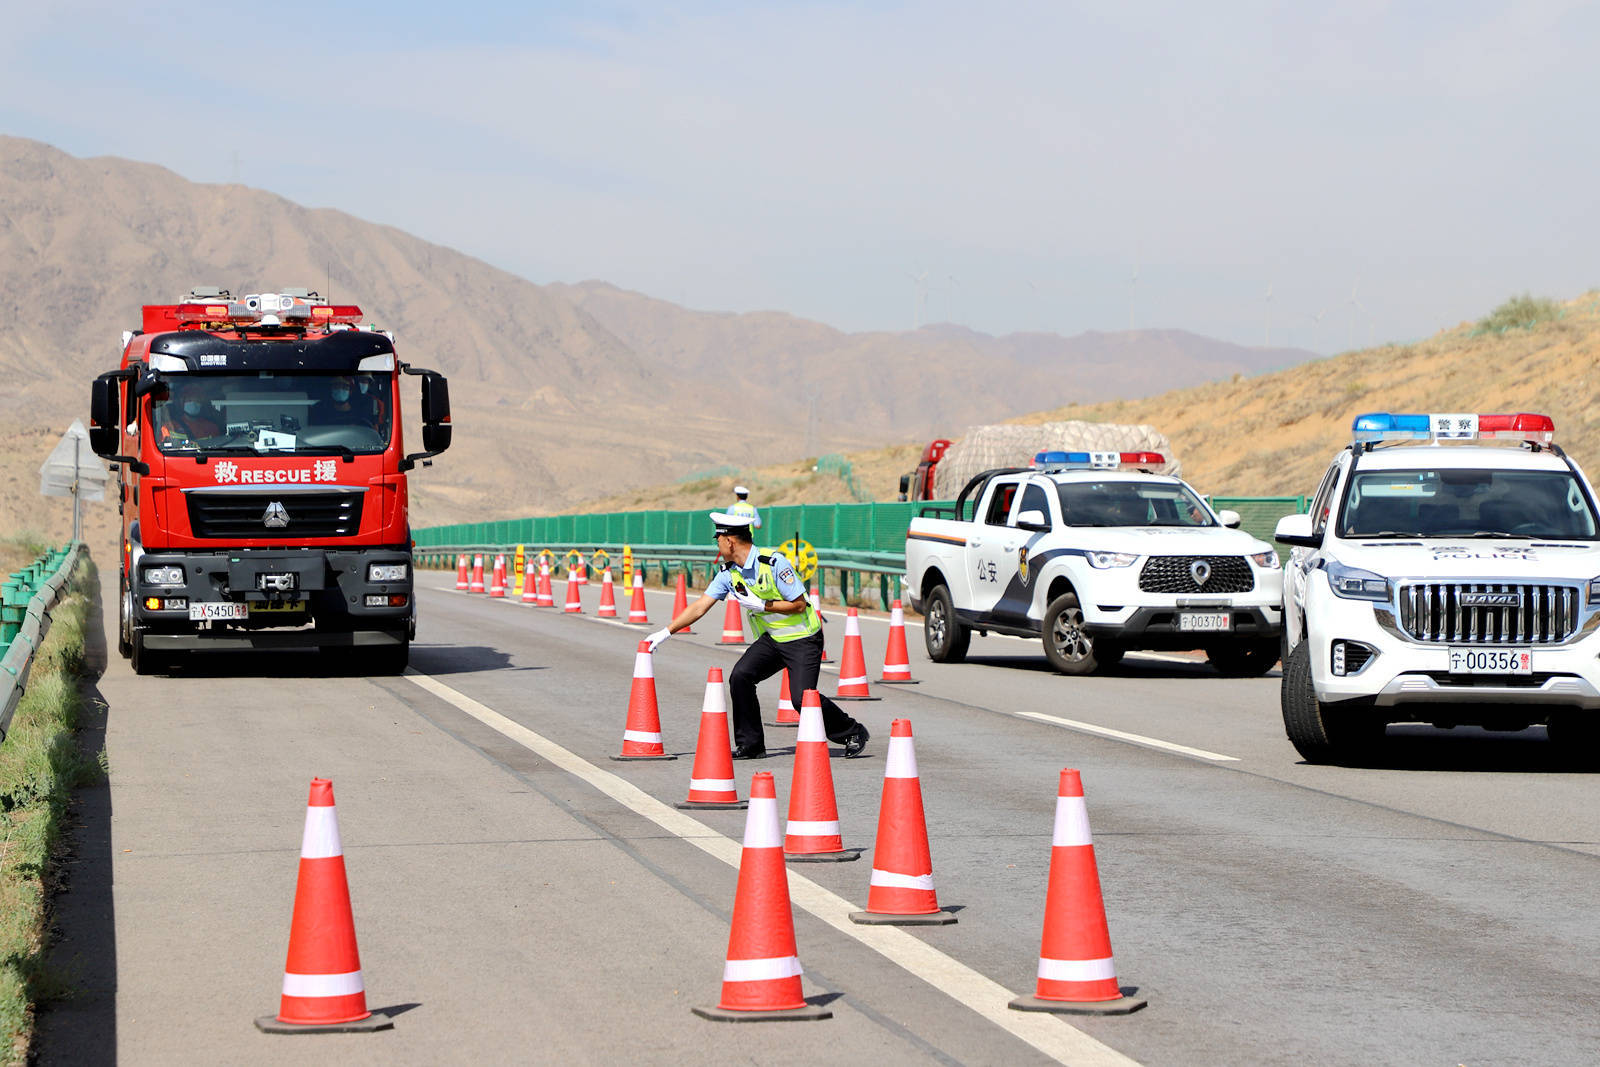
column 186, row 412
column 344, row 406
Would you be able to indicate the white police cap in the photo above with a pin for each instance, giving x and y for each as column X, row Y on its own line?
column 729, row 523
column 740, row 490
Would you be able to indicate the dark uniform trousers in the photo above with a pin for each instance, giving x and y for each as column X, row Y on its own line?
column 766, row 657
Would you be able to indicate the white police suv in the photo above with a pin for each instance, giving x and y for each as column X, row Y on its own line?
column 1443, row 579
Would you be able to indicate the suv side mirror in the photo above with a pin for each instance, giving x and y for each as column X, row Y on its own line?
column 1296, row 530
column 1229, row 518
column 1032, row 519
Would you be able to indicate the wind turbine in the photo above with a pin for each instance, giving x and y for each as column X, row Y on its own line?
column 1133, row 281
column 919, row 284
column 1316, row 325
column 1268, row 343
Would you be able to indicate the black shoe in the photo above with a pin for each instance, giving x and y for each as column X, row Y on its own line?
column 856, row 742
column 750, row 752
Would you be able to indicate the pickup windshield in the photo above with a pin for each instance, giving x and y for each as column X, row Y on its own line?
column 1123, row 503
column 273, row 413
column 1544, row 505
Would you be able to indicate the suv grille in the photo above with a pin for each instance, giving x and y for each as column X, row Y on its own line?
column 1443, row 611
column 245, row 514
column 1175, row 574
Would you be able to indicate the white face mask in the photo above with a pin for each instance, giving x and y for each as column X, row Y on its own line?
column 191, row 407
column 362, row 386
column 340, row 395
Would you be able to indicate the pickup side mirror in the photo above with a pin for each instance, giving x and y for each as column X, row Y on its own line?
column 1229, row 518
column 1296, row 530
column 1032, row 519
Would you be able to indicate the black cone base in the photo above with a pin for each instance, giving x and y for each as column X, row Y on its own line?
column 271, row 1024
column 809, row 1013
column 1120, row 1006
column 876, row 918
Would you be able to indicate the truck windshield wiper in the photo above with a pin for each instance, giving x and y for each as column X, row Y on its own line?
column 323, row 450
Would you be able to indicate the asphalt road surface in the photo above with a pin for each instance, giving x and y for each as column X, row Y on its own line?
column 520, row 897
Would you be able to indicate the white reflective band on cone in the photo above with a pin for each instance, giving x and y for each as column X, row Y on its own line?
column 761, row 970
column 642, row 666
column 811, row 726
column 1072, row 822
column 890, row 880
column 761, row 824
column 719, row 785
column 321, row 839
column 852, row 626
column 321, row 985
column 1077, row 970
column 854, row 681
column 640, row 735
column 813, row 829
column 902, row 761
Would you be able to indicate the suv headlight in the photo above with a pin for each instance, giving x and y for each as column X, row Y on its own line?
column 1594, row 590
column 1102, row 560
column 162, row 575
column 1267, row 560
column 1353, row 583
column 386, row 572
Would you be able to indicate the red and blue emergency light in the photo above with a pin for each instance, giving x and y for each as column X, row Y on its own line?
column 1386, row 426
column 1096, row 460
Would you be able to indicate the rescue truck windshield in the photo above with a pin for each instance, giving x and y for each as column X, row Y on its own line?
column 1488, row 503
column 273, row 413
column 1131, row 503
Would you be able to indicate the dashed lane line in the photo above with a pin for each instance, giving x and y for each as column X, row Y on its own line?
column 1049, row 1034
column 1122, row 735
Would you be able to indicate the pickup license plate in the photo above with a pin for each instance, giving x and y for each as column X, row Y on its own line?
column 1205, row 621
column 1491, row 661
column 224, row 610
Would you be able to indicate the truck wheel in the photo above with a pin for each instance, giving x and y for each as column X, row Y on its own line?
column 125, row 622
column 1244, row 659
column 1318, row 734
column 942, row 632
column 1067, row 645
column 143, row 660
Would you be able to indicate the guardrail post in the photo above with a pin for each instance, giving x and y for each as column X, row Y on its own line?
column 13, row 604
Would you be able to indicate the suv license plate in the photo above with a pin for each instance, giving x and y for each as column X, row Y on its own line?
column 1205, row 622
column 1491, row 661
column 224, row 610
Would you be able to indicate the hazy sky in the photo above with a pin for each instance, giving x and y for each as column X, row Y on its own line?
column 1058, row 166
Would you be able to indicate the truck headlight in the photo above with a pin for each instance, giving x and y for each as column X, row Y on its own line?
column 1353, row 583
column 1267, row 560
column 162, row 575
column 1102, row 560
column 386, row 572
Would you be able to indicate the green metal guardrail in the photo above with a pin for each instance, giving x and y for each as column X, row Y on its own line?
column 25, row 602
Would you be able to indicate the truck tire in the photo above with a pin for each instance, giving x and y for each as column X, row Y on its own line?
column 143, row 660
column 1244, row 659
column 943, row 633
column 1067, row 645
column 1348, row 737
column 125, row 621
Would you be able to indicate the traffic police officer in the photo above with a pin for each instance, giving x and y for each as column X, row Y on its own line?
column 789, row 635
column 742, row 506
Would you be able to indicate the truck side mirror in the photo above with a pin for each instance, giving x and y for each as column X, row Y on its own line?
column 435, row 436
column 435, row 401
column 105, row 428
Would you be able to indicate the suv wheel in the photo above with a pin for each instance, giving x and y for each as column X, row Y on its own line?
column 1067, row 645
column 1244, row 659
column 942, row 632
column 1319, row 734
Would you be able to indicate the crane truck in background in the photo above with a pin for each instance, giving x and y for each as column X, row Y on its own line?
column 261, row 477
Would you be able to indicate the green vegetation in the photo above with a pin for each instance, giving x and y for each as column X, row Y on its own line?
column 1520, row 313
column 40, row 765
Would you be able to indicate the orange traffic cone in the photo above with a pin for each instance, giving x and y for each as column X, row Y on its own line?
column 608, row 597
column 476, row 585
column 732, row 624
column 901, row 891
column 1076, row 972
column 497, row 581
column 641, row 738
column 546, row 597
column 636, row 612
column 896, row 664
column 680, row 600
column 761, row 975
column 583, row 572
column 530, row 582
column 787, row 715
column 853, row 667
column 711, row 783
column 322, row 987
column 574, row 596
column 463, row 579
column 813, row 830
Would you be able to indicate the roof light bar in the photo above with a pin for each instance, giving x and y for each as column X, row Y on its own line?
column 1386, row 426
column 1096, row 460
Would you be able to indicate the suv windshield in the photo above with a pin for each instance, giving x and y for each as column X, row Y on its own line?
column 1466, row 503
column 269, row 412
column 1123, row 503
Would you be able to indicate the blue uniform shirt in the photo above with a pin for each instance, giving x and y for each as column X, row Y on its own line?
column 789, row 583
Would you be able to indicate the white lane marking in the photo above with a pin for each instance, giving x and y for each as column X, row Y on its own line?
column 1121, row 735
column 1047, row 1033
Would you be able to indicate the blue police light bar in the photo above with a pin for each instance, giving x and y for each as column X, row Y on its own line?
column 1062, row 459
column 1383, row 426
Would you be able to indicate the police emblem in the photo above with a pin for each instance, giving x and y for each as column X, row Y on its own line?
column 1022, row 564
column 786, row 575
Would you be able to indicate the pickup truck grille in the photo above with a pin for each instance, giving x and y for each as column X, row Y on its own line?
column 1489, row 613
column 297, row 515
column 1176, row 574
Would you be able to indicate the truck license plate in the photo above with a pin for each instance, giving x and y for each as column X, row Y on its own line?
column 224, row 610
column 1205, row 621
column 1491, row 661
column 281, row 607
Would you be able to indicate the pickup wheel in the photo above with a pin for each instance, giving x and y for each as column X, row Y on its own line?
column 1346, row 737
column 942, row 632
column 1244, row 659
column 1067, row 645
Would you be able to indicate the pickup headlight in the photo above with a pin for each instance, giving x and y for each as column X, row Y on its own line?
column 386, row 572
column 1102, row 560
column 1267, row 560
column 162, row 575
column 1353, row 583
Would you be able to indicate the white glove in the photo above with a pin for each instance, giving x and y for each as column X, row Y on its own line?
column 659, row 636
column 750, row 601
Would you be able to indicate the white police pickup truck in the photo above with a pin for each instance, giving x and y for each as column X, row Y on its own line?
column 1096, row 556
column 1443, row 581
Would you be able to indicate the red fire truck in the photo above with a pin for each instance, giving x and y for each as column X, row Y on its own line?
column 262, row 479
